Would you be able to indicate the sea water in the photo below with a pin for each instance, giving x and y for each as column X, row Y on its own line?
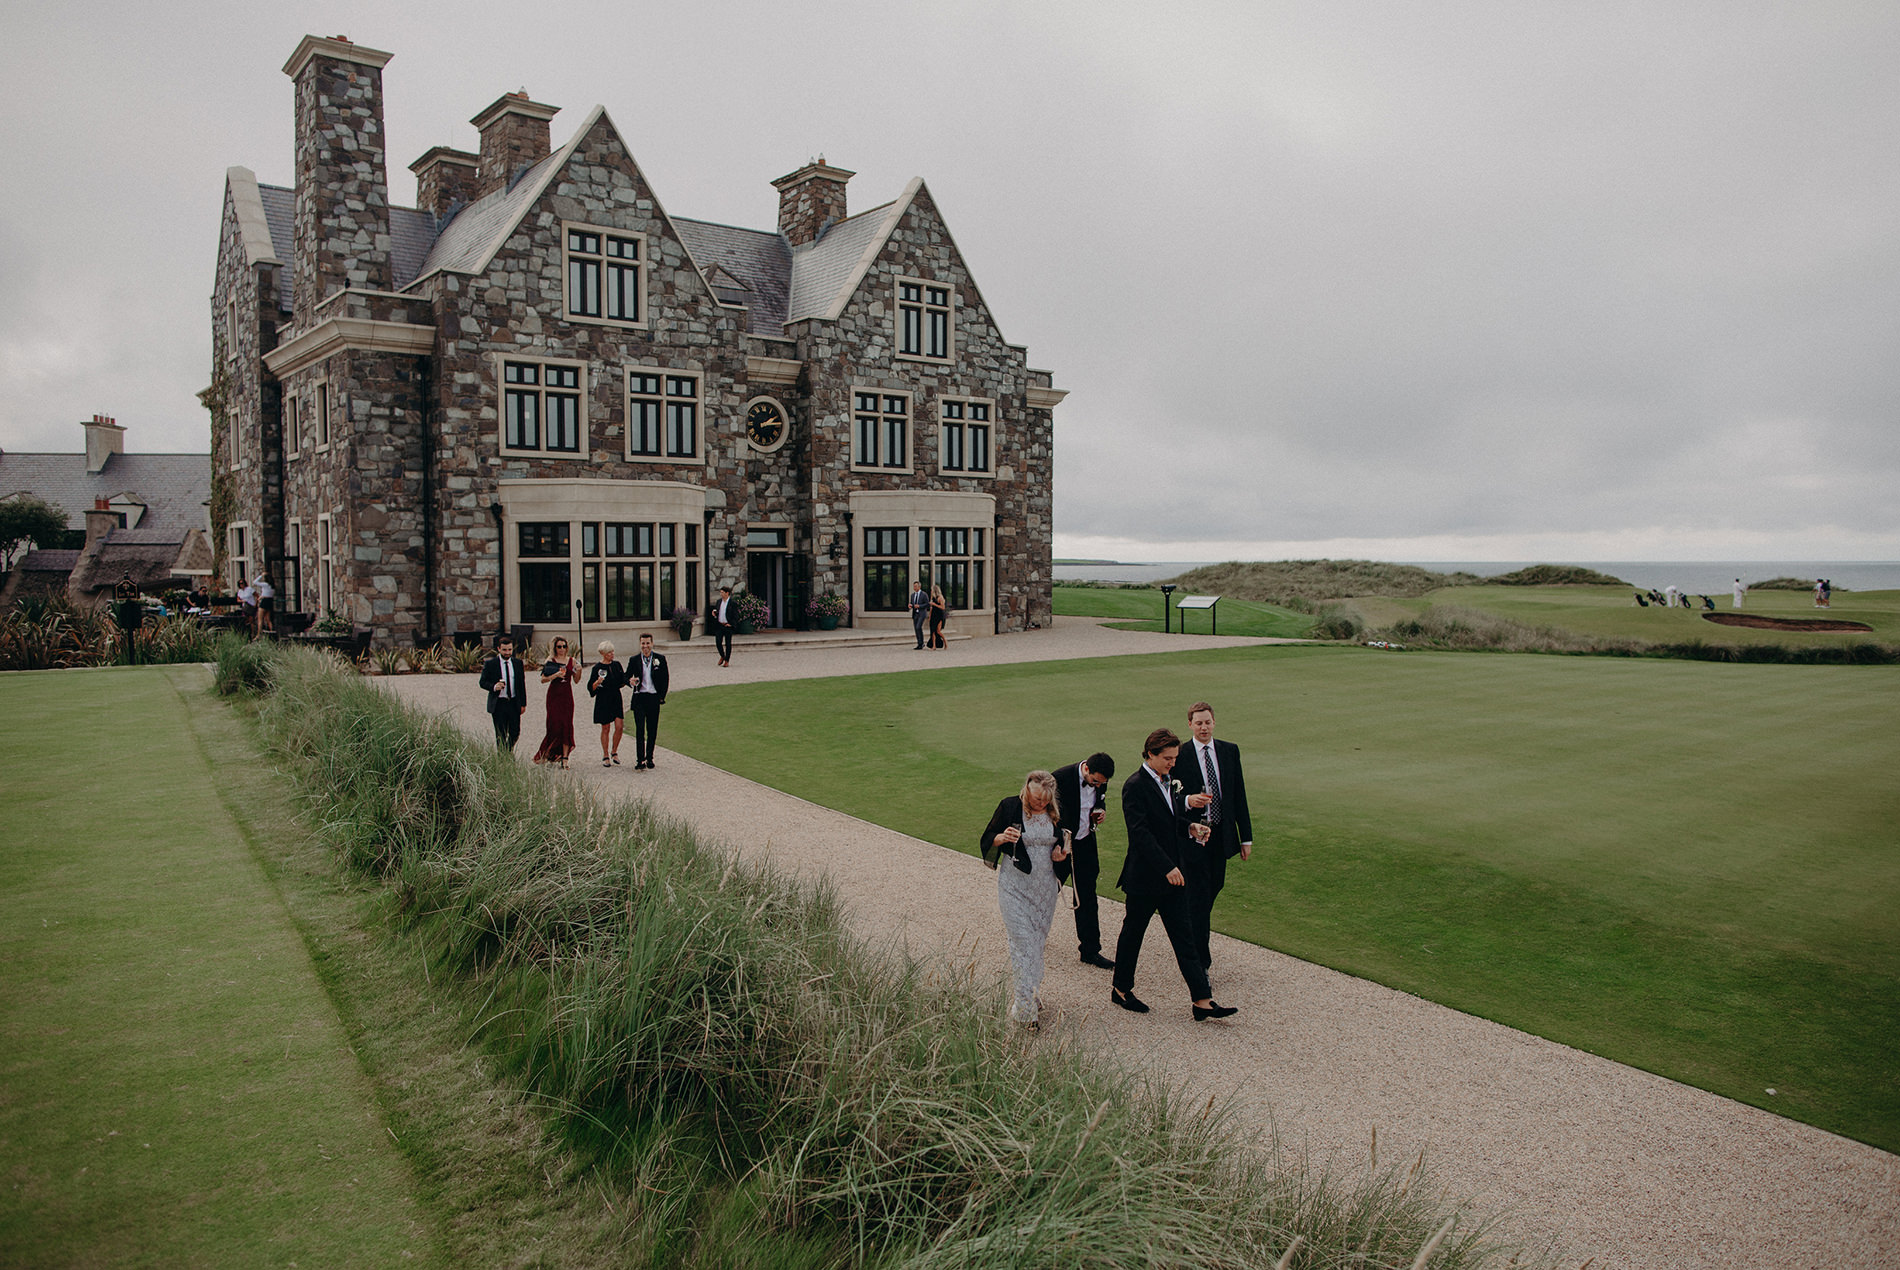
column 1697, row 577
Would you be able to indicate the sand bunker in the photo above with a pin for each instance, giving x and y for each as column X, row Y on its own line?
column 1784, row 623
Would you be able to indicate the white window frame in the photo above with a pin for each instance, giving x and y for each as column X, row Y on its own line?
column 541, row 389
column 326, row 565
column 925, row 557
column 923, row 306
column 666, row 400
column 325, row 407
column 239, row 542
column 231, row 330
column 293, row 429
column 606, row 264
column 234, row 439
column 965, row 427
column 884, row 416
column 293, row 551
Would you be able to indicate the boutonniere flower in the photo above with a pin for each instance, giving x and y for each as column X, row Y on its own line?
column 1176, row 786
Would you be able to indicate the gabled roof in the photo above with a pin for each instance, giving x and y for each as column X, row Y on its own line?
column 280, row 213
column 411, row 235
column 173, row 487
column 826, row 272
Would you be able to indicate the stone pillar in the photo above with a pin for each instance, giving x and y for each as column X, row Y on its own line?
column 810, row 201
column 341, row 236
column 514, row 138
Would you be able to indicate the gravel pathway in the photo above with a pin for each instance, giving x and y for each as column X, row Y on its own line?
column 1609, row 1161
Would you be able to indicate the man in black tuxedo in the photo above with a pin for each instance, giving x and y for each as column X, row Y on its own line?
column 1161, row 833
column 646, row 678
column 721, row 620
column 1210, row 776
column 1081, row 806
column 919, row 609
column 502, row 681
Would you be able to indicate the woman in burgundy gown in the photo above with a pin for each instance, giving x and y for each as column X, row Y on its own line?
column 559, row 672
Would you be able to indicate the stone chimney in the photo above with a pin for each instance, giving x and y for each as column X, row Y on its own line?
column 104, row 438
column 100, row 521
column 810, row 201
column 341, row 233
column 445, row 180
column 514, row 137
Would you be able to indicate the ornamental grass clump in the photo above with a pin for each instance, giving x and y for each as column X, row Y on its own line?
column 767, row 1088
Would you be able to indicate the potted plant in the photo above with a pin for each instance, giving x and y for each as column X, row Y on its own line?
column 682, row 623
column 749, row 612
column 827, row 610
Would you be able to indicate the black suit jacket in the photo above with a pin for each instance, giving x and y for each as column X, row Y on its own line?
column 1069, row 800
column 1010, row 812
column 1235, row 826
column 1157, row 841
column 712, row 615
column 491, row 675
column 659, row 675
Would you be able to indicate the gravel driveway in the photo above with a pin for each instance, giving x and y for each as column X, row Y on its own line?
column 1615, row 1163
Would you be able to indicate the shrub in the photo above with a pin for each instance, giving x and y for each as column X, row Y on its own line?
column 681, row 620
column 693, row 1007
column 1288, row 583
column 749, row 609
column 467, row 659
column 1335, row 623
column 1555, row 575
column 827, row 605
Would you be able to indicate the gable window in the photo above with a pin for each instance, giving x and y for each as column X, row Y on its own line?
column 882, row 421
column 605, row 275
column 663, row 415
column 966, row 436
column 923, row 320
column 541, row 407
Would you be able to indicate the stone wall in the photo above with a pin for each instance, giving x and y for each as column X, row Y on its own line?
column 342, row 231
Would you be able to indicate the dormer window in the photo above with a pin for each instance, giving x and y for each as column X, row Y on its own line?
column 923, row 320
column 605, row 275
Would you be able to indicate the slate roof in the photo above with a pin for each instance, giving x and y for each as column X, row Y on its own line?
column 822, row 269
column 173, row 487
column 58, row 560
column 759, row 260
column 411, row 235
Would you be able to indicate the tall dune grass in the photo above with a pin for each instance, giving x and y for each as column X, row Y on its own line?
column 772, row 1091
column 1447, row 626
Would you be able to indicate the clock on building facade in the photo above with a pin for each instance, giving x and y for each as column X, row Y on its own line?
column 765, row 424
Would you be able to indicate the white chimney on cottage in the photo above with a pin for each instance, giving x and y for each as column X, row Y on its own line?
column 104, row 438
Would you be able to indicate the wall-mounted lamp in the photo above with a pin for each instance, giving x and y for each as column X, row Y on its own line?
column 837, row 546
column 730, row 551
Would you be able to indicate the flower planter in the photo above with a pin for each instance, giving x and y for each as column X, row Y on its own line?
column 827, row 623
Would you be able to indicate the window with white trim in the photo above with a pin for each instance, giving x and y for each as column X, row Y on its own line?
column 663, row 423
column 606, row 275
column 326, row 566
column 881, row 422
column 233, row 452
column 923, row 320
column 323, row 416
column 293, row 427
column 966, row 435
column 237, row 553
column 643, row 570
column 541, row 407
column 292, row 567
column 953, row 559
column 886, row 569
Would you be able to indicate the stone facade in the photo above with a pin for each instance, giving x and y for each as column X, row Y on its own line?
column 542, row 394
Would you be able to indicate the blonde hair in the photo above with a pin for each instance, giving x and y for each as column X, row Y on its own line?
column 1045, row 784
column 605, row 646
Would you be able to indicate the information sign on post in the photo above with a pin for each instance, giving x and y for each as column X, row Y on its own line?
column 1200, row 602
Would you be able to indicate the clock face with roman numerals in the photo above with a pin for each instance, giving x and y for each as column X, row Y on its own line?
column 765, row 425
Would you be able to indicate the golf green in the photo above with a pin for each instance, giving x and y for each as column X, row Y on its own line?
column 176, row 1088
column 1685, row 866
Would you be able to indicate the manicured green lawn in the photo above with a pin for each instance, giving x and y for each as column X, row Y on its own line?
column 175, row 1087
column 1610, row 611
column 1689, row 867
column 1143, row 611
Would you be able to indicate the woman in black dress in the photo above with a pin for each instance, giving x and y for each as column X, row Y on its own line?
column 939, row 613
column 605, row 679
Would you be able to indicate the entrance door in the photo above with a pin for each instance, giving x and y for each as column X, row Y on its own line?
column 765, row 578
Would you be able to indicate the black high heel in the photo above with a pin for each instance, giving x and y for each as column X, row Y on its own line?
column 1214, row 1011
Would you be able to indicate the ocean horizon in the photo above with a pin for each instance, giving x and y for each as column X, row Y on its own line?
column 1698, row 577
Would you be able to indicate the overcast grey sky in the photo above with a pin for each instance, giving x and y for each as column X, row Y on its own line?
column 1448, row 281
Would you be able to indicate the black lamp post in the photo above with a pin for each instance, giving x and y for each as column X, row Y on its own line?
column 1167, row 589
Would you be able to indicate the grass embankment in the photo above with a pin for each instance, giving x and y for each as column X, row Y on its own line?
column 177, row 1089
column 1685, row 867
column 766, row 1090
column 1140, row 607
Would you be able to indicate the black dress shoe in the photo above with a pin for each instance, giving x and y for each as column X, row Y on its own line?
column 1096, row 959
column 1128, row 1001
column 1214, row 1011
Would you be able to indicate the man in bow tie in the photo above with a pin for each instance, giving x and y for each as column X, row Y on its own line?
column 501, row 680
column 1210, row 776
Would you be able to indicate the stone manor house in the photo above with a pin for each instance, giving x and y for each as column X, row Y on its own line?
column 537, row 396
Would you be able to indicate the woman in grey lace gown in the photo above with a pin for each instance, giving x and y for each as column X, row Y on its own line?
column 1024, row 843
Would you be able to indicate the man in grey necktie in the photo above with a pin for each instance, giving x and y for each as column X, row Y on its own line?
column 1210, row 776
